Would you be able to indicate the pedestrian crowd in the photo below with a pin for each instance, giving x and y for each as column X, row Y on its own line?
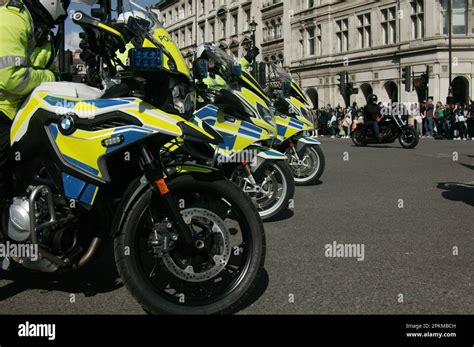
column 442, row 121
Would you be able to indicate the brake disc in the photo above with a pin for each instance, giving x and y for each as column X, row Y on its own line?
column 221, row 248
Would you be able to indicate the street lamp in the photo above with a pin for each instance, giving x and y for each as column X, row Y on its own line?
column 253, row 29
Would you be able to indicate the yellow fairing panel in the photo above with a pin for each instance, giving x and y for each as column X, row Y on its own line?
column 164, row 38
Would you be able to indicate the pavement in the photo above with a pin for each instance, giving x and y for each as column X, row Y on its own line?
column 410, row 210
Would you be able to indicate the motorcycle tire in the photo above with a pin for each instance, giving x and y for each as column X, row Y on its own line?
column 358, row 138
column 415, row 138
column 318, row 172
column 288, row 187
column 158, row 301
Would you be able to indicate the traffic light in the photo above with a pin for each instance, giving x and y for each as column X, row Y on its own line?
column 349, row 88
column 425, row 79
column 407, row 78
column 342, row 82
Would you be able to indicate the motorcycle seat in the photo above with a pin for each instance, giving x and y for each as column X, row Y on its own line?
column 70, row 90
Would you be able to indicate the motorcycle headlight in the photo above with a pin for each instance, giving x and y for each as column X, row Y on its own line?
column 184, row 102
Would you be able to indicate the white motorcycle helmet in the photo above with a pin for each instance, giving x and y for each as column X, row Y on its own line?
column 124, row 17
column 52, row 12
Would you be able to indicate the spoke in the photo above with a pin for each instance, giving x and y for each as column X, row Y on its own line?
column 153, row 270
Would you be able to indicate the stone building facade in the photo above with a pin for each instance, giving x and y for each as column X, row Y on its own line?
column 317, row 39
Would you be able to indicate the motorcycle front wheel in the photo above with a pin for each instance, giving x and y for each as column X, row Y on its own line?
column 273, row 190
column 309, row 169
column 215, row 277
column 409, row 138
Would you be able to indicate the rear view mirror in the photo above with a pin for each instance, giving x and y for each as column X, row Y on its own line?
column 146, row 59
column 237, row 70
column 200, row 69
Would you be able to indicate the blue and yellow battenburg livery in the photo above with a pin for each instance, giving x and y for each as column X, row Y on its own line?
column 83, row 133
column 237, row 134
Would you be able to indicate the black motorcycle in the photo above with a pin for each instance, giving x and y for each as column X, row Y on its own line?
column 392, row 127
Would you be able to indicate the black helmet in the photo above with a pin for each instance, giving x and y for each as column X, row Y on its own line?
column 372, row 99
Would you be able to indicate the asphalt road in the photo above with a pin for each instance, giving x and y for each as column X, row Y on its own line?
column 410, row 261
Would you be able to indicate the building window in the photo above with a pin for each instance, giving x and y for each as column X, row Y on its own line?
column 202, row 7
column 190, row 35
column 213, row 4
column 342, row 34
column 417, row 19
column 365, row 30
column 235, row 24
column 310, row 3
column 223, row 27
column 202, row 33
column 190, row 7
column 319, row 45
column 212, row 28
column 182, row 13
column 247, row 20
column 389, row 25
column 459, row 16
column 311, row 41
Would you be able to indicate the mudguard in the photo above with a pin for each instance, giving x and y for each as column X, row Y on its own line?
column 265, row 154
column 141, row 186
column 306, row 141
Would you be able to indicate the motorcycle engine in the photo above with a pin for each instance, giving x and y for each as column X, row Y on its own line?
column 59, row 239
column 19, row 221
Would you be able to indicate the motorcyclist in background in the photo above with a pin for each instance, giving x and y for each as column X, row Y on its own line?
column 27, row 54
column 371, row 113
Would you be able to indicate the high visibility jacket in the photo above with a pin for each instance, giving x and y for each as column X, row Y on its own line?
column 215, row 83
column 22, row 63
column 245, row 64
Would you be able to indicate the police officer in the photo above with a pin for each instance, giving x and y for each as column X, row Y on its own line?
column 26, row 60
column 371, row 112
column 249, row 58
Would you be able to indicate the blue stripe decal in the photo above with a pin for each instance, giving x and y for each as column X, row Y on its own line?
column 249, row 133
column 72, row 186
column 88, row 194
column 296, row 124
column 309, row 139
column 229, row 142
column 103, row 103
column 81, row 165
column 206, row 112
column 54, row 101
column 54, row 131
column 252, row 127
column 281, row 130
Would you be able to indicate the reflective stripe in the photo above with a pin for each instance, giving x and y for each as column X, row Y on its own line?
column 12, row 61
column 23, row 84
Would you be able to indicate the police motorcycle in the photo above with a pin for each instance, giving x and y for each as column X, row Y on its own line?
column 187, row 240
column 293, row 119
column 247, row 125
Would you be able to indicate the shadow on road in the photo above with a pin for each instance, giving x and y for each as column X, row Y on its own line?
column 379, row 146
column 468, row 166
column 100, row 276
column 458, row 192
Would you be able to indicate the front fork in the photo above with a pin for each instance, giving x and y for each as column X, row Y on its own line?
column 154, row 173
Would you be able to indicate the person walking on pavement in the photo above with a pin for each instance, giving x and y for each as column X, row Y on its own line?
column 429, row 113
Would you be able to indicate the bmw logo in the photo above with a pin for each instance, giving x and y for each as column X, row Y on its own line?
column 66, row 125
